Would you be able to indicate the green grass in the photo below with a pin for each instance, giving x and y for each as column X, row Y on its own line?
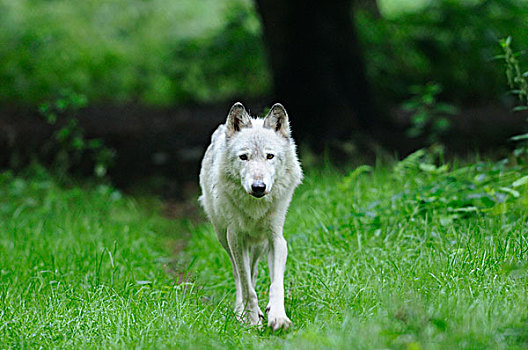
column 407, row 256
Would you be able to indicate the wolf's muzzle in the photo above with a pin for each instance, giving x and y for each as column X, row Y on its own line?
column 258, row 189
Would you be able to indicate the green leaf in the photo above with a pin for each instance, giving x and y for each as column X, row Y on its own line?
column 514, row 193
column 78, row 143
column 143, row 283
column 428, row 168
column 518, row 152
column 420, row 117
column 519, row 137
column 349, row 179
column 442, row 124
column 61, row 104
column 100, row 170
column 51, row 118
column 63, row 134
column 432, row 169
column 44, row 108
column 519, row 182
column 464, row 209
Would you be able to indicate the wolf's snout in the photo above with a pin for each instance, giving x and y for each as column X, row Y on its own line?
column 258, row 189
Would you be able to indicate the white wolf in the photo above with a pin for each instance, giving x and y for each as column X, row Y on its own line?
column 248, row 176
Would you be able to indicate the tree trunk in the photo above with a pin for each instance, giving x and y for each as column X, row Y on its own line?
column 318, row 69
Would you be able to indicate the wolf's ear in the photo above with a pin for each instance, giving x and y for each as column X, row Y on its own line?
column 237, row 119
column 277, row 120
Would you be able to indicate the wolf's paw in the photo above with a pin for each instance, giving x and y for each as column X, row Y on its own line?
column 254, row 317
column 250, row 317
column 277, row 319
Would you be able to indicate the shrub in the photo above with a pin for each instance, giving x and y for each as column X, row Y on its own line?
column 450, row 42
column 156, row 52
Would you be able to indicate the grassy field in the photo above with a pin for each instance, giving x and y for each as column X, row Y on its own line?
column 405, row 256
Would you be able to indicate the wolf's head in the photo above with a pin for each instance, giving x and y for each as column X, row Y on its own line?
column 258, row 149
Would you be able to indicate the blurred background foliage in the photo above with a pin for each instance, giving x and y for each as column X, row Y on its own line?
column 166, row 52
column 453, row 43
column 154, row 52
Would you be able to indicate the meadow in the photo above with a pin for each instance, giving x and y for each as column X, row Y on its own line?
column 421, row 253
column 416, row 254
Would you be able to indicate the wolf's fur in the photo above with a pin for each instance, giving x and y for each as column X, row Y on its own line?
column 235, row 169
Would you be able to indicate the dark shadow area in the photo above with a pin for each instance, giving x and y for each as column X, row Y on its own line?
column 159, row 77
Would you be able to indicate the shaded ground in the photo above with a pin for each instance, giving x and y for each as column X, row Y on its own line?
column 170, row 142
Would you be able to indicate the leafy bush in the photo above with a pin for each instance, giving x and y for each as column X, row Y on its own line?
column 450, row 42
column 518, row 82
column 69, row 147
column 429, row 116
column 162, row 52
column 156, row 52
column 230, row 61
column 517, row 79
column 449, row 193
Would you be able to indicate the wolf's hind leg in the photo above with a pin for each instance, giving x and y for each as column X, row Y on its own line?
column 257, row 250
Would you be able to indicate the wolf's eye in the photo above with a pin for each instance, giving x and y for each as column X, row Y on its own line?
column 270, row 156
column 243, row 157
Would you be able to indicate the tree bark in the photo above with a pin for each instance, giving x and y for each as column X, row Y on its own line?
column 318, row 69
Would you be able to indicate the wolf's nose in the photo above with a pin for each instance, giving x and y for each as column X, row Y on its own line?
column 258, row 188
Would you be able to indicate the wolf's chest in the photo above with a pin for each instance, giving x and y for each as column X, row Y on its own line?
column 253, row 215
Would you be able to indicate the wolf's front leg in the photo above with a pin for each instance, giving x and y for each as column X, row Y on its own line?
column 239, row 250
column 278, row 252
column 222, row 238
